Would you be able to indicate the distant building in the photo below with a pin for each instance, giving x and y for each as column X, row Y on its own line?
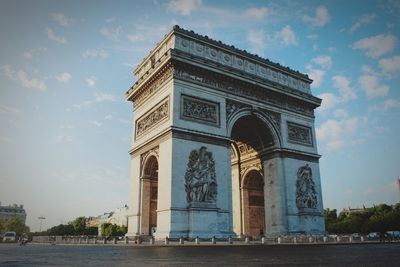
column 349, row 210
column 118, row 217
column 12, row 211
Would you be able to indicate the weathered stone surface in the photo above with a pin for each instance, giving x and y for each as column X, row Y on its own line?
column 231, row 138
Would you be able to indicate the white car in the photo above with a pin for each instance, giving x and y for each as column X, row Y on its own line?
column 10, row 237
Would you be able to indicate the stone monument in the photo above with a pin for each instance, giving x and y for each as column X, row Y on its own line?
column 223, row 144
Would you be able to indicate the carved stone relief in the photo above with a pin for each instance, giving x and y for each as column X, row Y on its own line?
column 274, row 117
column 245, row 167
column 306, row 196
column 299, row 134
column 152, row 86
column 232, row 107
column 200, row 177
column 152, row 118
column 199, row 110
column 251, row 66
column 241, row 89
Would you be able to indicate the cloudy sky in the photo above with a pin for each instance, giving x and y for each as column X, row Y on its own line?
column 65, row 67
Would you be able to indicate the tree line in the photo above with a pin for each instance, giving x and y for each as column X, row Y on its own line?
column 380, row 218
column 78, row 226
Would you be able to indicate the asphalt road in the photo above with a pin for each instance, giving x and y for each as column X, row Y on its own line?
column 387, row 254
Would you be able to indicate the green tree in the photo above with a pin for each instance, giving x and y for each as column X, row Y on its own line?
column 108, row 229
column 15, row 225
column 62, row 229
column 79, row 225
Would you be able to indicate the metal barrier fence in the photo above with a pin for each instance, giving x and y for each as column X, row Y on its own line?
column 289, row 239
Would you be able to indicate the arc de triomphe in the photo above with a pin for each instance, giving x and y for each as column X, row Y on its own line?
column 223, row 144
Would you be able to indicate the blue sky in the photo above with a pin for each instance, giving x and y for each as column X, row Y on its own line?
column 65, row 67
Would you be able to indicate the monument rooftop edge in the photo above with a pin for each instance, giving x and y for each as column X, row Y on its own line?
column 217, row 54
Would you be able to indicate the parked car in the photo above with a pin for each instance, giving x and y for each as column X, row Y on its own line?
column 10, row 237
column 374, row 235
column 394, row 234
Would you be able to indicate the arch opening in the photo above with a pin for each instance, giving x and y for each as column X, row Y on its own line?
column 252, row 139
column 150, row 196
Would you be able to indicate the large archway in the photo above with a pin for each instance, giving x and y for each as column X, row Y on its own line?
column 149, row 196
column 253, row 140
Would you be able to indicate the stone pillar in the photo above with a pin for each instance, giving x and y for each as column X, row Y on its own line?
column 145, row 205
column 275, row 199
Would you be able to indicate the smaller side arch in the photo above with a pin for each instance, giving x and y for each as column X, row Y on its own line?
column 246, row 175
column 147, row 163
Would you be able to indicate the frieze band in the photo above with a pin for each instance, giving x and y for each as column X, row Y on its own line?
column 299, row 134
column 199, row 110
column 152, row 118
column 231, row 86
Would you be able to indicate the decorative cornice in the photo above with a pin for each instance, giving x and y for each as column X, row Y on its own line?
column 244, row 53
column 139, row 93
column 196, row 44
column 240, row 88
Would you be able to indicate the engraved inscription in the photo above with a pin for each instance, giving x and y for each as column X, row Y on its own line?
column 152, row 118
column 199, row 110
column 299, row 134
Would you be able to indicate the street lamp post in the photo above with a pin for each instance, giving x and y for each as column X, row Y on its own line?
column 41, row 218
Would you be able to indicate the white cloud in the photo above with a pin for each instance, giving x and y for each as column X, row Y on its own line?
column 112, row 33
column 52, row 36
column 287, row 36
column 256, row 13
column 377, row 45
column 324, row 61
column 101, row 97
column 321, row 18
column 257, row 40
column 316, row 75
column 391, row 103
column 111, row 19
column 98, row 98
column 108, row 117
column 9, row 110
column 183, row 7
column 91, row 81
column 332, row 49
column 346, row 93
column 67, row 127
column 340, row 113
column 329, row 100
column 22, row 77
column 365, row 19
column 64, row 77
column 62, row 138
column 61, row 19
column 343, row 84
column 370, row 84
column 135, row 37
column 29, row 54
column 95, row 123
column 313, row 37
column 390, row 64
column 97, row 52
column 334, row 134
